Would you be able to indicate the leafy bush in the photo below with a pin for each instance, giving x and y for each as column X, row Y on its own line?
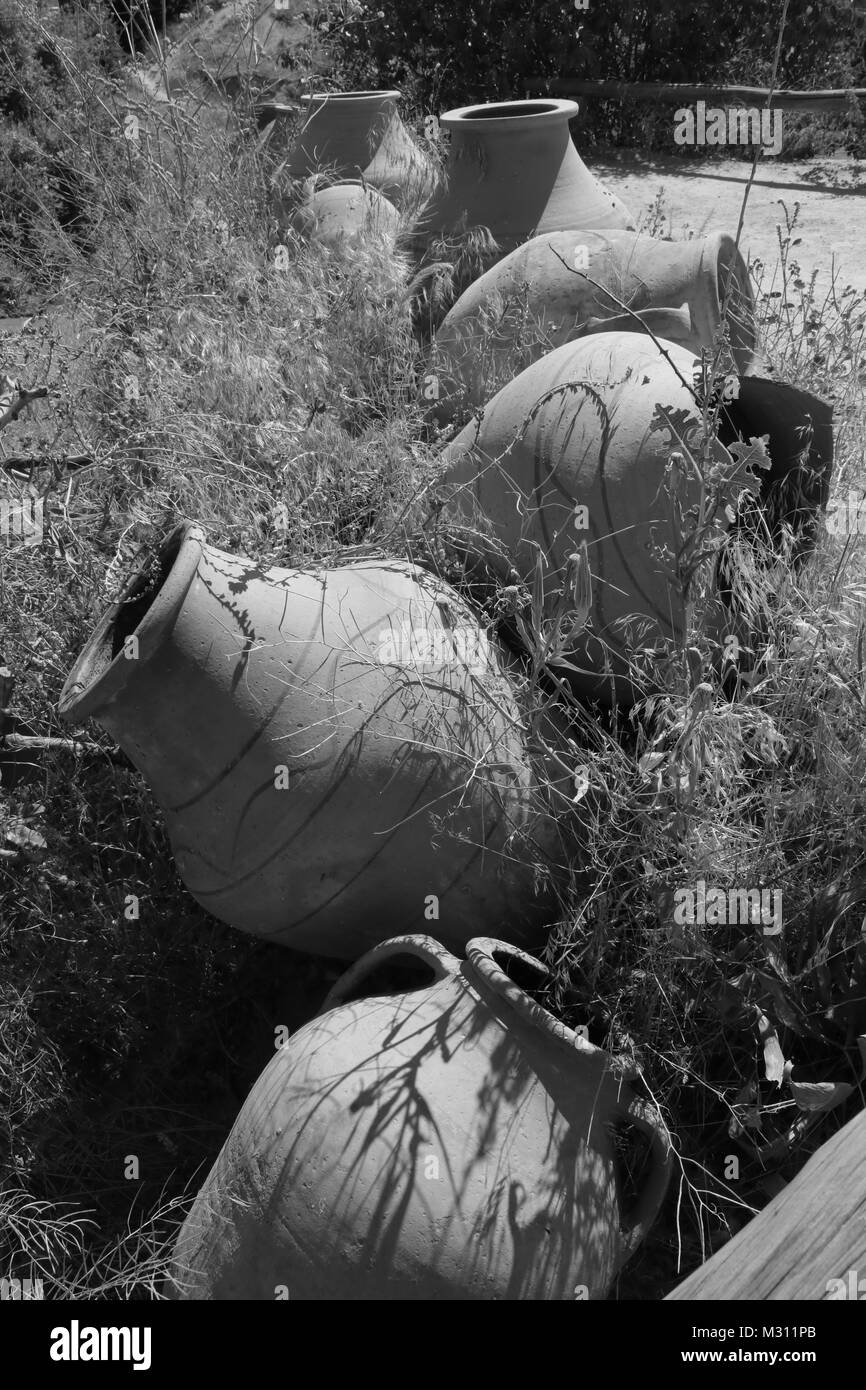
column 136, row 20
column 446, row 55
column 46, row 72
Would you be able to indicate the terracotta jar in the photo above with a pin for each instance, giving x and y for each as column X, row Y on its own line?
column 348, row 213
column 512, row 167
column 434, row 1134
column 566, row 453
column 560, row 286
column 360, row 135
column 569, row 451
column 335, row 750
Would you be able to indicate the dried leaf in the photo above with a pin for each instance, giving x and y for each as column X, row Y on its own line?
column 818, row 1095
column 649, row 762
column 579, row 584
column 8, row 395
column 774, row 1058
column 824, row 1095
column 17, row 833
column 581, row 783
column 538, row 589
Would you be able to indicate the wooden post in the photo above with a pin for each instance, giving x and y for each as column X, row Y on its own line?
column 809, row 1243
column 831, row 99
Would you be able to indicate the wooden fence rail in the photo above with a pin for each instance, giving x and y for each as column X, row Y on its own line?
column 809, row 1243
column 685, row 93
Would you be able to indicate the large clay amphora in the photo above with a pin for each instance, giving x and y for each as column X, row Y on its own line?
column 335, row 750
column 512, row 167
column 359, row 135
column 591, row 443
column 433, row 1134
column 513, row 171
column 568, row 452
column 557, row 287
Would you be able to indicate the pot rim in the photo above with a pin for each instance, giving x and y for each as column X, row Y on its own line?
column 354, row 98
column 499, row 117
column 92, row 683
column 722, row 262
column 348, row 183
column 481, row 954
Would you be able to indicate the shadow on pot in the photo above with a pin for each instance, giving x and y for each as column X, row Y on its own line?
column 434, row 1134
column 557, row 288
column 333, row 748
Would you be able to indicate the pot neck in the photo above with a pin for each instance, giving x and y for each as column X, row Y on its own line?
column 134, row 627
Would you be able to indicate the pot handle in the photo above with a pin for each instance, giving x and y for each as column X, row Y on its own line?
column 670, row 323
column 648, row 1120
column 426, row 948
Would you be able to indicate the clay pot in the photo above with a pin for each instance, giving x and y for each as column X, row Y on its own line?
column 433, row 1134
column 573, row 431
column 335, row 750
column 535, row 299
column 347, row 213
column 513, row 169
column 568, row 452
column 359, row 135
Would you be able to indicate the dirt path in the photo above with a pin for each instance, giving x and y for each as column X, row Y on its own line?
column 707, row 195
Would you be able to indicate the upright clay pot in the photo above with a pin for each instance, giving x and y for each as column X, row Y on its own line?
column 434, row 1134
column 512, row 168
column 562, row 285
column 359, row 135
column 568, row 452
column 335, row 750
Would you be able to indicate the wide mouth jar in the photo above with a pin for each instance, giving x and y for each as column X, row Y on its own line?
column 510, row 115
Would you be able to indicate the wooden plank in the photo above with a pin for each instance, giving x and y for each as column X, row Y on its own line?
column 831, row 99
column 813, row 1232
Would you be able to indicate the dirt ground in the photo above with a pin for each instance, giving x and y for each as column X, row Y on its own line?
column 707, row 195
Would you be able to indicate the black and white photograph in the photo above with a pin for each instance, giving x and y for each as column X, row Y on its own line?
column 432, row 671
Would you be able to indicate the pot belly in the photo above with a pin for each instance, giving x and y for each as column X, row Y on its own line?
column 378, row 813
column 362, row 1168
